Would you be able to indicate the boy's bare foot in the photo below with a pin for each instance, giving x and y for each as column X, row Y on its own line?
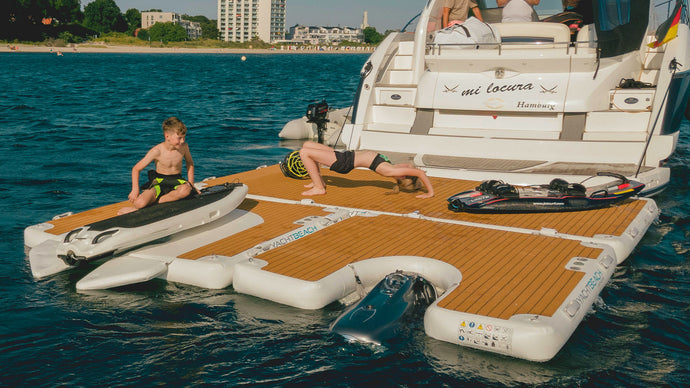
column 309, row 185
column 126, row 210
column 314, row 191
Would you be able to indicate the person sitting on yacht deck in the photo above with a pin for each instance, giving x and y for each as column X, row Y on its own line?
column 312, row 154
column 515, row 11
column 456, row 11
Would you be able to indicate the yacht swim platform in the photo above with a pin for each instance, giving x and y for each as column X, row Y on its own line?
column 515, row 284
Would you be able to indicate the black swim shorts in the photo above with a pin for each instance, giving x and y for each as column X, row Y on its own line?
column 378, row 160
column 163, row 184
column 344, row 162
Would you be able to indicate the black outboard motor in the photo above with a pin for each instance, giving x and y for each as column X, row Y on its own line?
column 380, row 314
column 316, row 113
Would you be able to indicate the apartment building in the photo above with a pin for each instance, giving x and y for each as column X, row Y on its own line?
column 150, row 18
column 242, row 20
column 324, row 35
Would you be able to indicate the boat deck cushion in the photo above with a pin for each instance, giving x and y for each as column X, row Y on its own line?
column 556, row 32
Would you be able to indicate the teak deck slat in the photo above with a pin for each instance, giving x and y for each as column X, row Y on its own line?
column 514, row 284
column 67, row 223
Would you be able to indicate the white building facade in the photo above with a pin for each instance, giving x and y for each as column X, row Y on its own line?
column 325, row 35
column 242, row 20
column 193, row 28
column 150, row 18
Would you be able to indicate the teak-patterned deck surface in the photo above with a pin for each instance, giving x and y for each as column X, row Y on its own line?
column 504, row 272
column 364, row 189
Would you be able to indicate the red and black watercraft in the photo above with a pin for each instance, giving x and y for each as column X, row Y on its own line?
column 558, row 196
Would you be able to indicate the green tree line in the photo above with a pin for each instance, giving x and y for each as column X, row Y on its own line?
column 37, row 20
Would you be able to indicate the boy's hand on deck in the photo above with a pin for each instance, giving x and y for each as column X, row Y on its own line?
column 133, row 195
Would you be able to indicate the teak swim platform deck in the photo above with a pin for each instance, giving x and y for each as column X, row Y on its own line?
column 505, row 280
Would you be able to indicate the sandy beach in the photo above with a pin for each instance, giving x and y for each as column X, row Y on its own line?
column 105, row 48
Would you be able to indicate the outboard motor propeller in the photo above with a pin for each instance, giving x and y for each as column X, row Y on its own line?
column 380, row 314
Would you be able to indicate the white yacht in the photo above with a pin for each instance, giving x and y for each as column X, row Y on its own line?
column 538, row 101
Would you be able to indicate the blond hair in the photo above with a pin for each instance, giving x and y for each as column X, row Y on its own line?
column 175, row 125
column 407, row 184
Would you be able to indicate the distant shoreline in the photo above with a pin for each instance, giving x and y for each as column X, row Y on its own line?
column 104, row 48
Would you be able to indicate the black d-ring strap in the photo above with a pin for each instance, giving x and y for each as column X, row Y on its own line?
column 467, row 32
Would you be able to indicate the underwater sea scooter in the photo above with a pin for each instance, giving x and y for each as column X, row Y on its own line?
column 380, row 315
column 558, row 196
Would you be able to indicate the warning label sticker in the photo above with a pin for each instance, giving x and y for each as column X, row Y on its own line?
column 476, row 333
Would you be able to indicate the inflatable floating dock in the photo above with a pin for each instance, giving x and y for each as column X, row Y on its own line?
column 514, row 284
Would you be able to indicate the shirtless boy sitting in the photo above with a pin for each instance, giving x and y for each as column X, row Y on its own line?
column 166, row 183
column 313, row 154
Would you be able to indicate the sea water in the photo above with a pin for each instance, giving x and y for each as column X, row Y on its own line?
column 72, row 127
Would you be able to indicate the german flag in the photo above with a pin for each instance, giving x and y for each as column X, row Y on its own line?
column 668, row 29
